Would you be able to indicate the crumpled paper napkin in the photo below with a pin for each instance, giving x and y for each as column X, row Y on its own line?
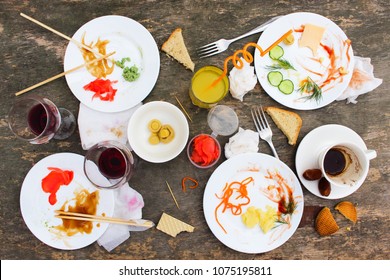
column 242, row 80
column 362, row 81
column 128, row 205
column 95, row 126
column 244, row 141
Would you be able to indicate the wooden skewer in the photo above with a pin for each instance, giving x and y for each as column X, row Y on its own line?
column 174, row 198
column 184, row 110
column 80, row 45
column 62, row 74
column 102, row 219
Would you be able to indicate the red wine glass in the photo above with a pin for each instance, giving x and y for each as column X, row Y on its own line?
column 37, row 120
column 109, row 164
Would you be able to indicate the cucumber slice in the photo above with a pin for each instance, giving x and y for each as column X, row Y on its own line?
column 286, row 86
column 275, row 78
column 276, row 53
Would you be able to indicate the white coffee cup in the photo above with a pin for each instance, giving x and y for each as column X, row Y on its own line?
column 345, row 164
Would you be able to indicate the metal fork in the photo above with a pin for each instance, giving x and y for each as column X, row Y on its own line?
column 263, row 128
column 222, row 44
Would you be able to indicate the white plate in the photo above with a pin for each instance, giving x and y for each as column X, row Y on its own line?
column 138, row 132
column 127, row 38
column 238, row 236
column 38, row 213
column 303, row 59
column 310, row 148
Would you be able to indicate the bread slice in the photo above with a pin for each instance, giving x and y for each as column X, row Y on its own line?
column 176, row 48
column 288, row 122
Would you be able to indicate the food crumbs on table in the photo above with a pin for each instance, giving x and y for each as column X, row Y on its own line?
column 234, row 196
column 52, row 182
column 102, row 88
column 85, row 203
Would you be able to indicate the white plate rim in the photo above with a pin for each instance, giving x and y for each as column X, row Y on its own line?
column 273, row 92
column 160, row 109
column 234, row 163
column 66, row 161
column 149, row 54
column 307, row 155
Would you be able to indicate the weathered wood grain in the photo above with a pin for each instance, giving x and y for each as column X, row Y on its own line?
column 30, row 54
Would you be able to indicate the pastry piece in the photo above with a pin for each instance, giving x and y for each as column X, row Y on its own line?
column 348, row 210
column 176, row 48
column 172, row 226
column 325, row 223
column 288, row 122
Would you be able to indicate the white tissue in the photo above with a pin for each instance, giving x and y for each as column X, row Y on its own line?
column 95, row 126
column 244, row 141
column 362, row 81
column 128, row 205
column 242, row 80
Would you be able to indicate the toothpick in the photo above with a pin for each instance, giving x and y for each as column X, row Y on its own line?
column 174, row 199
column 184, row 110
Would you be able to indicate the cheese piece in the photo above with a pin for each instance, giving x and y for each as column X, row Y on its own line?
column 311, row 37
column 172, row 226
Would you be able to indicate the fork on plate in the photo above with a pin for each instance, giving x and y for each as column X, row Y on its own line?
column 263, row 128
column 222, row 44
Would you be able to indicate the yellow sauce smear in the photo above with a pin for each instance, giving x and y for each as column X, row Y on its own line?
column 85, row 203
column 101, row 68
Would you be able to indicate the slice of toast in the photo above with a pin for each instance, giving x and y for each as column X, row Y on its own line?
column 288, row 122
column 176, row 48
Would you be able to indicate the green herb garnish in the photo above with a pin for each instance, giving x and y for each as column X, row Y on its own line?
column 121, row 63
column 131, row 73
column 281, row 63
column 309, row 86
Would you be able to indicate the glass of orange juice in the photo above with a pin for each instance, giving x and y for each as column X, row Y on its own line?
column 202, row 91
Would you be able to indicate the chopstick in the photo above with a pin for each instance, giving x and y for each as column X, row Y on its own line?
column 101, row 219
column 62, row 74
column 61, row 34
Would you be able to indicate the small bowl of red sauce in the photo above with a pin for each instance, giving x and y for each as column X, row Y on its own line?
column 203, row 151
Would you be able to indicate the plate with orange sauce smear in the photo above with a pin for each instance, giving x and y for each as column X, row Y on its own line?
column 326, row 61
column 57, row 182
column 133, row 46
column 253, row 203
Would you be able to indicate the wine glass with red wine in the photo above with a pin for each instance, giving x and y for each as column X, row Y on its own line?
column 37, row 120
column 109, row 164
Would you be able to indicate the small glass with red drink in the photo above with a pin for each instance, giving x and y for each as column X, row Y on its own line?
column 109, row 164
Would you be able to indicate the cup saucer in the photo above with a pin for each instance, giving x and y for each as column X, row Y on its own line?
column 312, row 145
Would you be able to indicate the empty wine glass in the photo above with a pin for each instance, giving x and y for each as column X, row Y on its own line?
column 37, row 120
column 109, row 164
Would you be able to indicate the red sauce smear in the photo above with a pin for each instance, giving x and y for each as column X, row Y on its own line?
column 284, row 196
column 54, row 180
column 204, row 150
column 235, row 195
column 102, row 88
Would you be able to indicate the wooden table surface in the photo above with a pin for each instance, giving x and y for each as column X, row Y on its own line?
column 31, row 54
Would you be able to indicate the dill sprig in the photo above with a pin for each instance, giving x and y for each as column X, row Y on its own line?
column 309, row 86
column 281, row 63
